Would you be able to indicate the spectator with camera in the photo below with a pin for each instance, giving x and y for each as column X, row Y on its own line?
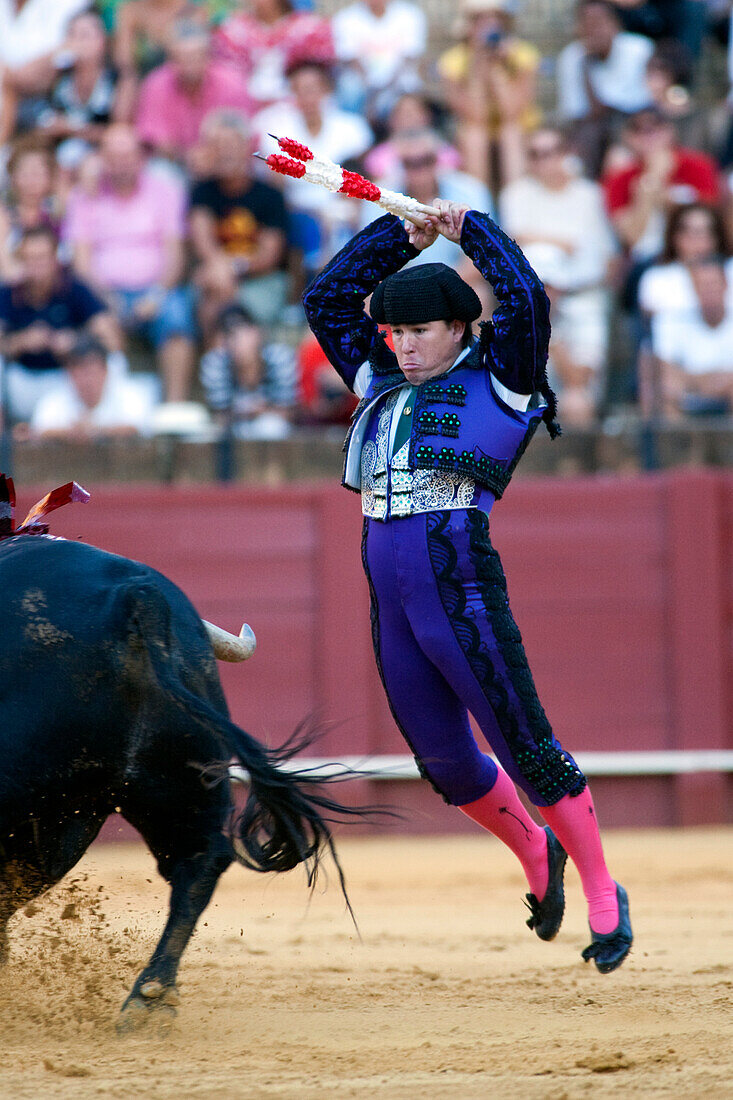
column 491, row 88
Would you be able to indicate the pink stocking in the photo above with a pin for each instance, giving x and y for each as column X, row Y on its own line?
column 573, row 821
column 501, row 813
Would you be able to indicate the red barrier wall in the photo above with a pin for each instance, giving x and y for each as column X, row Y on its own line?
column 623, row 589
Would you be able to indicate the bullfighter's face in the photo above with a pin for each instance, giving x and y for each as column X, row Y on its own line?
column 427, row 350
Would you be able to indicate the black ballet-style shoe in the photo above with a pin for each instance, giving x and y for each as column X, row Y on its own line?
column 609, row 950
column 547, row 914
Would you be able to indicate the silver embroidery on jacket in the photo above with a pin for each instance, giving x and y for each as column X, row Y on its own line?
column 411, row 491
column 374, row 465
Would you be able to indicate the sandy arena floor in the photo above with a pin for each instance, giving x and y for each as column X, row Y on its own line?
column 447, row 995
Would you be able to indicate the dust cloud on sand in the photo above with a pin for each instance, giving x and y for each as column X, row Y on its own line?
column 447, row 995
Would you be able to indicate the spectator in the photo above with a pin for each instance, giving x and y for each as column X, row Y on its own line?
column 411, row 112
column 338, row 135
column 82, row 101
column 491, row 87
column 322, row 395
column 248, row 382
column 669, row 79
column 152, row 25
column 41, row 317
column 176, row 97
column 694, row 349
column 30, row 202
column 600, row 78
column 694, row 233
column 311, row 112
column 32, row 34
column 726, row 157
column 265, row 41
column 128, row 241
column 91, row 402
column 238, row 229
column 141, row 39
column 379, row 44
column 420, row 175
column 662, row 174
column 683, row 20
column 142, row 31
column 559, row 221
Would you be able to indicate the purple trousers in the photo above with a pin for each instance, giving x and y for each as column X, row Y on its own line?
column 446, row 644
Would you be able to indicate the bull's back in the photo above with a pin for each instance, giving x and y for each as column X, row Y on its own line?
column 79, row 635
column 55, row 589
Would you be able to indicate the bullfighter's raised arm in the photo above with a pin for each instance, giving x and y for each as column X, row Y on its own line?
column 517, row 338
column 334, row 301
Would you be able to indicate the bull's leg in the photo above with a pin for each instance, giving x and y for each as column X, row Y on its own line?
column 37, row 855
column 192, row 880
column 19, row 884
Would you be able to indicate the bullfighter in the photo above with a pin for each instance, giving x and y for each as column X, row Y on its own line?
column 442, row 422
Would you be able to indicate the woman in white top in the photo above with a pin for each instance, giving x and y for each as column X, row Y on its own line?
column 695, row 232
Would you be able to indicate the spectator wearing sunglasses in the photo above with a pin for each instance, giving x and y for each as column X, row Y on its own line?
column 421, row 175
column 558, row 219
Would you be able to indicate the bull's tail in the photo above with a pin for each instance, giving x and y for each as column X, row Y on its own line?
column 287, row 816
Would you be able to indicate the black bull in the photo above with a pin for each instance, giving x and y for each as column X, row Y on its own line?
column 110, row 698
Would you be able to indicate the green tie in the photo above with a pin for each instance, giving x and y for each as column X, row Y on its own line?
column 404, row 425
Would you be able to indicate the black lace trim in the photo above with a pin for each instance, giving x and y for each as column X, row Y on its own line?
column 374, row 617
column 546, row 768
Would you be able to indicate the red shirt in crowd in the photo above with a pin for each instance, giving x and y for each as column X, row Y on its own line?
column 322, row 394
column 263, row 52
column 694, row 178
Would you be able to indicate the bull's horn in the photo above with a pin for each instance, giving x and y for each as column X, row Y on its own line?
column 227, row 647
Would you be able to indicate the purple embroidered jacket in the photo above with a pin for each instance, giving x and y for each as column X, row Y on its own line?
column 460, row 423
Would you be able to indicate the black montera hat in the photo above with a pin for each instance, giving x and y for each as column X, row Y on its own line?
column 428, row 292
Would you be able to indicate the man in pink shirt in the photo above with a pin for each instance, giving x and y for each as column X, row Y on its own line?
column 127, row 240
column 176, row 97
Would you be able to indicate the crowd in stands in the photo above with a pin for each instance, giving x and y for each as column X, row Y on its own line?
column 148, row 260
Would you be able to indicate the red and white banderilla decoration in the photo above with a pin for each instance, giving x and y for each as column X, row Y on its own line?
column 301, row 163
